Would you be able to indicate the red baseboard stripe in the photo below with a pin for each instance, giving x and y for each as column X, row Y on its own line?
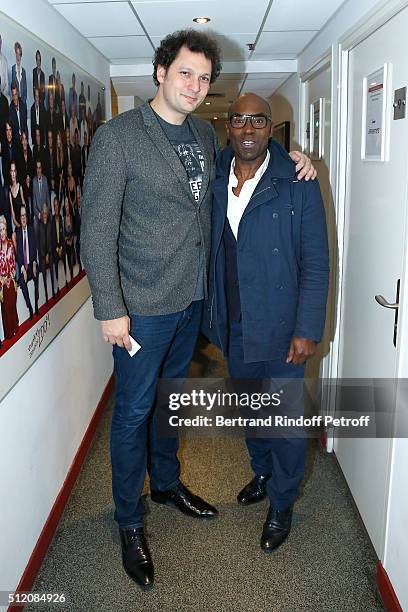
column 40, row 550
column 388, row 595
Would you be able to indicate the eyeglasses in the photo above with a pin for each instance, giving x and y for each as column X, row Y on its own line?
column 258, row 121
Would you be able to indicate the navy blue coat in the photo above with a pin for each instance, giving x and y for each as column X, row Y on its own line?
column 282, row 260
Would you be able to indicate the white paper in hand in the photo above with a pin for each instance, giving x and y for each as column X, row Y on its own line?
column 135, row 347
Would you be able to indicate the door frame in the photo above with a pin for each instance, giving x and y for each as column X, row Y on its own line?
column 325, row 62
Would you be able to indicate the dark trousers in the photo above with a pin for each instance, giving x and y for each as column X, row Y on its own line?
column 69, row 249
column 57, row 259
column 282, row 457
column 44, row 267
column 167, row 348
column 24, row 288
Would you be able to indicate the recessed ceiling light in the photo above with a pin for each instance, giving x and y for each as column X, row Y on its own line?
column 201, row 19
column 208, row 103
column 215, row 117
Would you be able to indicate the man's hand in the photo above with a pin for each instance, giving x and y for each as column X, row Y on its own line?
column 116, row 331
column 303, row 166
column 300, row 350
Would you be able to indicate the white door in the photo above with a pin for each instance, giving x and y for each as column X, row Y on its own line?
column 374, row 261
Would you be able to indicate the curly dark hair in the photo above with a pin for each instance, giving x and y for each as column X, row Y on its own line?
column 198, row 42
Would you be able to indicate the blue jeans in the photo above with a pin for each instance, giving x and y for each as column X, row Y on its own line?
column 284, row 458
column 167, row 348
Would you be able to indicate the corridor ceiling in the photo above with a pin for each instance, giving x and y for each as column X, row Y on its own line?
column 126, row 33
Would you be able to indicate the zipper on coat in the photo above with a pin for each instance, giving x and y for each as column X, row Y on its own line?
column 253, row 196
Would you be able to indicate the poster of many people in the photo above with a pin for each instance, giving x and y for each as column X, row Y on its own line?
column 49, row 112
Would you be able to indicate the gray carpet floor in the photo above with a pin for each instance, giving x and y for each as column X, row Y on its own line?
column 327, row 564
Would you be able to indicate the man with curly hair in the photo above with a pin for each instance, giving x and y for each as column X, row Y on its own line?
column 146, row 214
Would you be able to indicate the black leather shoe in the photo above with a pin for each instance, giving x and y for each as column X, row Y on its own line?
column 254, row 491
column 136, row 557
column 276, row 528
column 185, row 501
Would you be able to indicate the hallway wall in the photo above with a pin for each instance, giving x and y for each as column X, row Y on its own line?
column 44, row 417
column 43, row 420
column 285, row 107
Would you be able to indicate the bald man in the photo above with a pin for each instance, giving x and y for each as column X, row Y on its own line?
column 268, row 290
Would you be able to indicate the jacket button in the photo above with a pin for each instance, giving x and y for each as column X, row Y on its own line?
column 275, row 215
column 275, row 251
column 282, row 322
column 198, row 243
column 278, row 286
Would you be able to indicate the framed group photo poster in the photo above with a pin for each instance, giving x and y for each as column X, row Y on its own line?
column 50, row 109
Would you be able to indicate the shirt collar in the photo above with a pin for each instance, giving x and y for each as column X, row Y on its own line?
column 233, row 181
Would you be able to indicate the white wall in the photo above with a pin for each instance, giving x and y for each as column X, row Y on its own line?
column 44, row 417
column 125, row 103
column 347, row 18
column 43, row 420
column 396, row 544
column 285, row 107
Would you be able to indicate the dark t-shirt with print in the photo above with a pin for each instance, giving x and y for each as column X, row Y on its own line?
column 189, row 151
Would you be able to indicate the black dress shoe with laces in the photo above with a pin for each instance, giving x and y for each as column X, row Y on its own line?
column 183, row 499
column 276, row 528
column 254, row 491
column 136, row 557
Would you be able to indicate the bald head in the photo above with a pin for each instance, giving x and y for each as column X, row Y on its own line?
column 249, row 129
column 251, row 104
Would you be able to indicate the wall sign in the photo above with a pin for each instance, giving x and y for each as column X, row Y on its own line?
column 374, row 117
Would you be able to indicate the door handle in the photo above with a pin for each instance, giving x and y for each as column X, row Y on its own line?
column 380, row 299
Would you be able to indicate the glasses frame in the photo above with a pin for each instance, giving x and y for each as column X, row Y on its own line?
column 247, row 116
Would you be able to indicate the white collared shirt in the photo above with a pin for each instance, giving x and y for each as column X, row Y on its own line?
column 238, row 204
column 18, row 117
